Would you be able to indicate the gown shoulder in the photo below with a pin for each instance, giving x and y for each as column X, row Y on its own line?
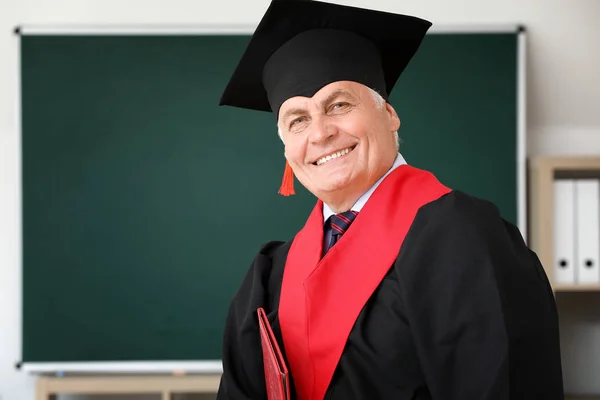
column 479, row 303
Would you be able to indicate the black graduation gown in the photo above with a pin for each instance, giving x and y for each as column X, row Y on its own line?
column 465, row 313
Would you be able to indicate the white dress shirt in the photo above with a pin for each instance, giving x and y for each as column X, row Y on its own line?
column 327, row 211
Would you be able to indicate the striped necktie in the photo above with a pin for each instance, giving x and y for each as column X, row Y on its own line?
column 336, row 226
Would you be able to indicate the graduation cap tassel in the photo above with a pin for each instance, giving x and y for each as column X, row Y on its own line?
column 287, row 183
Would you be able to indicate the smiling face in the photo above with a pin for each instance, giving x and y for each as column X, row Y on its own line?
column 338, row 142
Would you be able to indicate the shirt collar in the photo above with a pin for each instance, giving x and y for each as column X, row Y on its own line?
column 328, row 212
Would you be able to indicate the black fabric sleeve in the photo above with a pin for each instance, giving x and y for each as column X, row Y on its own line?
column 243, row 374
column 479, row 307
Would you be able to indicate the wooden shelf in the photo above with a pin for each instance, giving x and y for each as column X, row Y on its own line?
column 542, row 171
column 581, row 398
column 165, row 386
column 576, row 288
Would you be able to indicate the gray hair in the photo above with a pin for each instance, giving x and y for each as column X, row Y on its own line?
column 379, row 102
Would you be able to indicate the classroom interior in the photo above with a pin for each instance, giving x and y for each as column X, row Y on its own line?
column 108, row 114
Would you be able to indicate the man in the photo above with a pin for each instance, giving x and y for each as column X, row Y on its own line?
column 397, row 287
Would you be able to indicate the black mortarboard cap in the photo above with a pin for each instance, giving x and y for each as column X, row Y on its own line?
column 300, row 46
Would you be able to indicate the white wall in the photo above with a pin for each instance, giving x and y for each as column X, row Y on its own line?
column 563, row 110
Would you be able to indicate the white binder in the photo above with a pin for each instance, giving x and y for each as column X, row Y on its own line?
column 587, row 192
column 564, row 231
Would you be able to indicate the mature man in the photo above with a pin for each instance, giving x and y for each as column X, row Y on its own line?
column 397, row 287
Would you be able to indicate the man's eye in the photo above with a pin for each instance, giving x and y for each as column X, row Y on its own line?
column 297, row 121
column 339, row 106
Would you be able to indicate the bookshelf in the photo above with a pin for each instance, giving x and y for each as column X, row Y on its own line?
column 575, row 301
column 543, row 171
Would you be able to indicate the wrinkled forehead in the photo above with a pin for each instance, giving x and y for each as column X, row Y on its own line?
column 339, row 90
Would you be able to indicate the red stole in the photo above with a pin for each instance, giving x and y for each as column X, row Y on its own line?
column 321, row 298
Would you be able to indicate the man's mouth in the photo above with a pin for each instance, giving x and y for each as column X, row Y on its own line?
column 333, row 156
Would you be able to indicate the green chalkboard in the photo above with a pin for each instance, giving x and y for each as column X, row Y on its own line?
column 144, row 202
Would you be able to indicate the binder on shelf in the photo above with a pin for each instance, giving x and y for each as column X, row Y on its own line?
column 564, row 231
column 587, row 192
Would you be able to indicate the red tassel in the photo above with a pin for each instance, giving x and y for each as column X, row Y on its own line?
column 287, row 183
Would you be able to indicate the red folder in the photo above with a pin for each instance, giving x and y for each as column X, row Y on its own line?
column 276, row 372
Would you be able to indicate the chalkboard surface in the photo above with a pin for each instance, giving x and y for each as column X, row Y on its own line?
column 144, row 202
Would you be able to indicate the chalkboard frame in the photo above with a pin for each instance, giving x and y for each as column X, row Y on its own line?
column 214, row 366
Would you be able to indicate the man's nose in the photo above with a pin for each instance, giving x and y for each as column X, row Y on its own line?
column 322, row 131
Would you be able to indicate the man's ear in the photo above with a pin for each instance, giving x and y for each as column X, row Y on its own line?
column 393, row 117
